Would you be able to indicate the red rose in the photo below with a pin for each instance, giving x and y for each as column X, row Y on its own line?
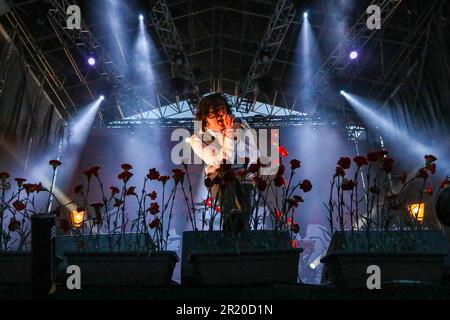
column 283, row 151
column 154, row 208
column 429, row 191
column 163, row 179
column 153, row 174
column 295, row 244
column 261, row 184
column 126, row 167
column 279, row 181
column 114, row 190
column 281, row 170
column 345, row 163
column 339, row 172
column 387, row 164
column 254, row 168
column 4, row 175
column 55, row 163
column 360, row 161
column 422, row 173
column 88, row 174
column 306, row 186
column 295, row 164
column 430, row 158
column 78, row 189
column 153, row 195
column 19, row 205
column 154, row 223
column 94, row 171
column 32, row 187
column 178, row 175
column 117, row 202
column 131, row 191
column 348, row 185
column 125, row 176
column 20, row 181
column 295, row 228
column 14, row 225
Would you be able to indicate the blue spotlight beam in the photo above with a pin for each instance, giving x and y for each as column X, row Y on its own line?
column 173, row 46
column 359, row 36
column 278, row 26
column 125, row 93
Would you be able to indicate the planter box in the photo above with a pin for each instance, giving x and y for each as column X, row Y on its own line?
column 139, row 269
column 253, row 257
column 15, row 268
column 348, row 257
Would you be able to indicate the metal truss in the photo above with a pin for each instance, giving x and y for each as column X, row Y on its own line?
column 358, row 36
column 267, row 52
column 47, row 73
column 255, row 122
column 173, row 46
column 85, row 41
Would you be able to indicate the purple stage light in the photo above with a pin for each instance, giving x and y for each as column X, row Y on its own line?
column 91, row 61
column 353, row 55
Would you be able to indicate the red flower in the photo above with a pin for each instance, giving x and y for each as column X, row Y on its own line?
column 429, row 191
column 131, row 191
column 4, row 175
column 209, row 183
column 32, row 187
column 154, row 208
column 114, row 190
column 295, row 201
column 125, row 176
column 422, row 173
column 14, row 225
column 374, row 190
column 360, row 161
column 154, row 223
column 19, row 205
column 78, row 189
column 278, row 213
column 281, row 170
column 88, row 174
column 306, row 186
column 117, row 202
column 178, row 175
column 339, row 172
column 430, row 158
column 153, row 195
column 163, row 179
column 348, row 185
column 295, row 164
column 153, row 174
column 126, row 167
column 387, row 164
column 55, row 163
column 20, row 181
column 94, row 171
column 295, row 228
column 279, row 181
column 345, row 163
column 295, row 244
column 98, row 214
column 283, row 151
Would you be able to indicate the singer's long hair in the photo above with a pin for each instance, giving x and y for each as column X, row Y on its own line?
column 212, row 102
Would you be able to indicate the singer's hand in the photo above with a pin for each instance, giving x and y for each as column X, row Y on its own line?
column 228, row 121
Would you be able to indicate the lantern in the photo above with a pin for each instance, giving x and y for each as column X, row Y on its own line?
column 417, row 211
column 78, row 218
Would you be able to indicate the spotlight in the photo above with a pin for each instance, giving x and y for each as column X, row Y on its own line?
column 312, row 266
column 92, row 61
column 178, row 59
column 265, row 55
column 353, row 55
column 141, row 17
column 342, row 92
column 305, row 15
column 102, row 97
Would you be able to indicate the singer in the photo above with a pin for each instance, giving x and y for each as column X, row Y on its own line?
column 217, row 144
